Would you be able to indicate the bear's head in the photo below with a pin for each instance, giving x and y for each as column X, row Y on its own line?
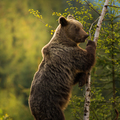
column 73, row 29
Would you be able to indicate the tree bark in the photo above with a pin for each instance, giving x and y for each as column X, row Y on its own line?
column 87, row 86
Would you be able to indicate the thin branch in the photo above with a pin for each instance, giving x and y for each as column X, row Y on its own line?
column 117, row 16
column 117, row 114
column 113, row 6
column 94, row 113
column 92, row 7
column 46, row 23
column 91, row 27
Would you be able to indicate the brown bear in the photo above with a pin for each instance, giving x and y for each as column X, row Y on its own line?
column 64, row 64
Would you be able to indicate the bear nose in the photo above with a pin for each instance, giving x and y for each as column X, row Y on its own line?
column 86, row 36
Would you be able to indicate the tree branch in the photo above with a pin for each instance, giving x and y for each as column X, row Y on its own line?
column 100, row 21
column 91, row 27
column 92, row 7
column 113, row 6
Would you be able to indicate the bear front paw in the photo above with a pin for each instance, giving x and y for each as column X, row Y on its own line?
column 92, row 43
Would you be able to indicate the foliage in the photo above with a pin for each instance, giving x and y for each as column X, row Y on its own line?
column 105, row 89
column 21, row 40
column 105, row 99
column 22, row 37
column 4, row 117
column 39, row 16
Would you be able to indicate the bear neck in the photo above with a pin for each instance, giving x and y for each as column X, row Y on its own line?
column 61, row 37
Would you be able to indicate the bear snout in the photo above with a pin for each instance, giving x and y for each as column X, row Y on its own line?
column 86, row 36
column 83, row 39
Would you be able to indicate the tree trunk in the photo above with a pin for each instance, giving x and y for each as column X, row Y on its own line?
column 87, row 86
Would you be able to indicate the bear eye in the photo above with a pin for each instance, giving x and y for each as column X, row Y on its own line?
column 77, row 29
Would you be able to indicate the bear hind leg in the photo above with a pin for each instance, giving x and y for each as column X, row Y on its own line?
column 52, row 112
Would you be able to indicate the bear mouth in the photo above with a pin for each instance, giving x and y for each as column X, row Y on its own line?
column 82, row 40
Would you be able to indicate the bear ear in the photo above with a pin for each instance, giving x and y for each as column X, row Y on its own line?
column 63, row 21
column 70, row 17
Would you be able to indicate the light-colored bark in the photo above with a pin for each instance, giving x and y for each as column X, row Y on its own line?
column 87, row 86
column 100, row 21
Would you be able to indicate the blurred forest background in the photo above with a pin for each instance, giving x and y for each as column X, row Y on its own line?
column 22, row 37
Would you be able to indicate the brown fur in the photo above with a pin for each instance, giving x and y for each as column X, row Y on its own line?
column 64, row 64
